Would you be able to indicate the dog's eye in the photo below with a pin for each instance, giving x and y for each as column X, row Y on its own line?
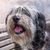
column 26, row 12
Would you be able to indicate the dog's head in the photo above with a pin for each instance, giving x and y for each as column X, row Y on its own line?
column 26, row 27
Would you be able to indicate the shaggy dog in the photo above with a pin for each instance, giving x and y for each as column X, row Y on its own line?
column 27, row 27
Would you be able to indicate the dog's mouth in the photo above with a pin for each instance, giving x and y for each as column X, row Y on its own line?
column 19, row 29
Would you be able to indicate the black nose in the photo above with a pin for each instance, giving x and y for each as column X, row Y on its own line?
column 16, row 18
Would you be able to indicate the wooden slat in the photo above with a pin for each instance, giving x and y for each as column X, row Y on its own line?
column 8, row 47
column 5, row 42
column 47, row 22
column 2, row 28
column 4, row 36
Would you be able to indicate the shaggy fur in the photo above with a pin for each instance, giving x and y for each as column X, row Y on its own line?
column 33, row 36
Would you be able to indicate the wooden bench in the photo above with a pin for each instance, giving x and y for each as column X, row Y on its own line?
column 5, row 41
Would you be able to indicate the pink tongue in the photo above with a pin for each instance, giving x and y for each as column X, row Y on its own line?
column 18, row 29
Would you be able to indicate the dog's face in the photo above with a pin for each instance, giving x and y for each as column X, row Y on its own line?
column 22, row 26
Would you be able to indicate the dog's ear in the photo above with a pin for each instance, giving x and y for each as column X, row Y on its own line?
column 40, row 30
column 40, row 22
column 7, row 16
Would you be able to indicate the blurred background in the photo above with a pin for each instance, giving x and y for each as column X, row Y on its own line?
column 42, row 6
column 6, row 5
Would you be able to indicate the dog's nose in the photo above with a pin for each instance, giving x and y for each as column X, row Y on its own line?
column 16, row 18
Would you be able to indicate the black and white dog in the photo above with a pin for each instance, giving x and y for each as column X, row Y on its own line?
column 27, row 27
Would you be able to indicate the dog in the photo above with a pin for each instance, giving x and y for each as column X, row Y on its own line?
column 27, row 27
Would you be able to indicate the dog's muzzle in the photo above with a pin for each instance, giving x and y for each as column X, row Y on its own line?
column 18, row 28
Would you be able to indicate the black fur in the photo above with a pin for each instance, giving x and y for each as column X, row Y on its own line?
column 17, row 47
column 40, row 31
column 25, row 11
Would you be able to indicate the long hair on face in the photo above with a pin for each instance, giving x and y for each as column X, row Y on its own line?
column 40, row 22
column 39, row 37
